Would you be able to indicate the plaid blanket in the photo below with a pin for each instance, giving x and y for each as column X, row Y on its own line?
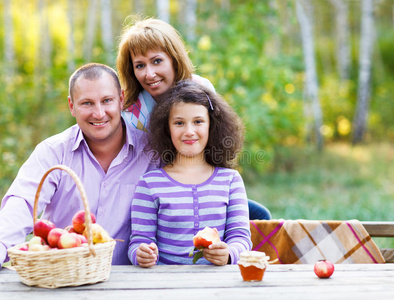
column 305, row 242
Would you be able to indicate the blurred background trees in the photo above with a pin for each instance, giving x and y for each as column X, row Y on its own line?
column 299, row 72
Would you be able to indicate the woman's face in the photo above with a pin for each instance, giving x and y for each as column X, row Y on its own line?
column 154, row 71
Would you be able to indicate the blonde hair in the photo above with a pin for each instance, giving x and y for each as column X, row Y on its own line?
column 145, row 35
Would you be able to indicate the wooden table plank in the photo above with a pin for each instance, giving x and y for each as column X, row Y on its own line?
column 365, row 281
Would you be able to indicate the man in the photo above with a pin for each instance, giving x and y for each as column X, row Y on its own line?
column 108, row 158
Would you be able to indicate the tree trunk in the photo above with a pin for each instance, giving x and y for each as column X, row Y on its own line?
column 9, row 52
column 343, row 39
column 190, row 19
column 312, row 107
column 43, row 58
column 106, row 30
column 71, row 44
column 139, row 6
column 364, row 76
column 90, row 30
column 163, row 10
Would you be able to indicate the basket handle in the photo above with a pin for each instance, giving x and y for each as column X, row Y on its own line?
column 88, row 220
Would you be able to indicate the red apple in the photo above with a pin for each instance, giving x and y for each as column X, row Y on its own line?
column 70, row 229
column 37, row 240
column 82, row 238
column 23, row 247
column 323, row 268
column 54, row 235
column 79, row 221
column 42, row 227
column 69, row 240
column 206, row 237
column 38, row 247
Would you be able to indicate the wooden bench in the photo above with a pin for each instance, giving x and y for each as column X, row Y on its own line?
column 381, row 229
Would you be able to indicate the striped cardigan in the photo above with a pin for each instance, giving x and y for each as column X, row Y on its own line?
column 170, row 213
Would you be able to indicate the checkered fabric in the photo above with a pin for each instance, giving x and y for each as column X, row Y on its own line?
column 305, row 241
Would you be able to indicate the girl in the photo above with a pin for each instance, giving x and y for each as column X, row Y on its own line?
column 198, row 136
column 152, row 57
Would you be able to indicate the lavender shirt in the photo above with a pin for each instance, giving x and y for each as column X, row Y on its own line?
column 170, row 213
column 109, row 194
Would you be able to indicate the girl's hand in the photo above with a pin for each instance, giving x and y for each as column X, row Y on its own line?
column 147, row 255
column 217, row 253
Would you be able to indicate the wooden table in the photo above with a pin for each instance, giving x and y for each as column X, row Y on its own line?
column 362, row 281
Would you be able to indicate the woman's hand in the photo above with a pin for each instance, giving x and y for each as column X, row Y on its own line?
column 147, row 255
column 217, row 253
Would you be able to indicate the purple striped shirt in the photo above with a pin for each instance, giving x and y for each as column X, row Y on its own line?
column 170, row 213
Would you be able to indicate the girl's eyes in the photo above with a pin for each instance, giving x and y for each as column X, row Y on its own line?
column 178, row 123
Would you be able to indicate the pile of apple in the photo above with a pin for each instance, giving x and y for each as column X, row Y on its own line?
column 48, row 236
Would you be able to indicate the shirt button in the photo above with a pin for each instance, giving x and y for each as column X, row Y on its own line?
column 196, row 208
column 100, row 211
column 195, row 224
column 194, row 193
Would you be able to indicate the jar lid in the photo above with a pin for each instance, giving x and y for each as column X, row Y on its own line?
column 253, row 256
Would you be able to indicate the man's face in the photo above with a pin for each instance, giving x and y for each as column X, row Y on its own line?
column 97, row 107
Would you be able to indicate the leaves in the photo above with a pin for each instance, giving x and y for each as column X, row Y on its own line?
column 196, row 254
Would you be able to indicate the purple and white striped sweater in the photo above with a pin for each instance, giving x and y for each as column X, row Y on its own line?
column 169, row 213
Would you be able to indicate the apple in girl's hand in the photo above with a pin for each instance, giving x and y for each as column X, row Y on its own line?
column 323, row 268
column 206, row 237
column 69, row 240
column 42, row 227
column 202, row 240
column 78, row 221
column 54, row 235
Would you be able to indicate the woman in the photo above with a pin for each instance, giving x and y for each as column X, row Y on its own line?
column 152, row 57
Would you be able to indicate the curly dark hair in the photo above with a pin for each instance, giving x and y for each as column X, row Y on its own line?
column 226, row 129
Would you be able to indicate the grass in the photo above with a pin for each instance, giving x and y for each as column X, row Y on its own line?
column 341, row 183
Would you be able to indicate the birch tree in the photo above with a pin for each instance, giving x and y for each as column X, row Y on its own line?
column 343, row 39
column 191, row 19
column 312, row 108
column 90, row 30
column 70, row 44
column 163, row 10
column 364, row 75
column 9, row 52
column 106, row 29
column 139, row 6
column 44, row 60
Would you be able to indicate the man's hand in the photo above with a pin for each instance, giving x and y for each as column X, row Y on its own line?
column 217, row 253
column 147, row 255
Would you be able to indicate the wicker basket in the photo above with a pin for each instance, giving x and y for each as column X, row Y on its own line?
column 64, row 267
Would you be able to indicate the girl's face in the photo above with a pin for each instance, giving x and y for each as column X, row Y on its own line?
column 189, row 128
column 154, row 71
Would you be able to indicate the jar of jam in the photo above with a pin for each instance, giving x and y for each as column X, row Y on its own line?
column 252, row 265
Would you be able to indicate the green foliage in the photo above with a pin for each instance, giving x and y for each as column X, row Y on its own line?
column 265, row 91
